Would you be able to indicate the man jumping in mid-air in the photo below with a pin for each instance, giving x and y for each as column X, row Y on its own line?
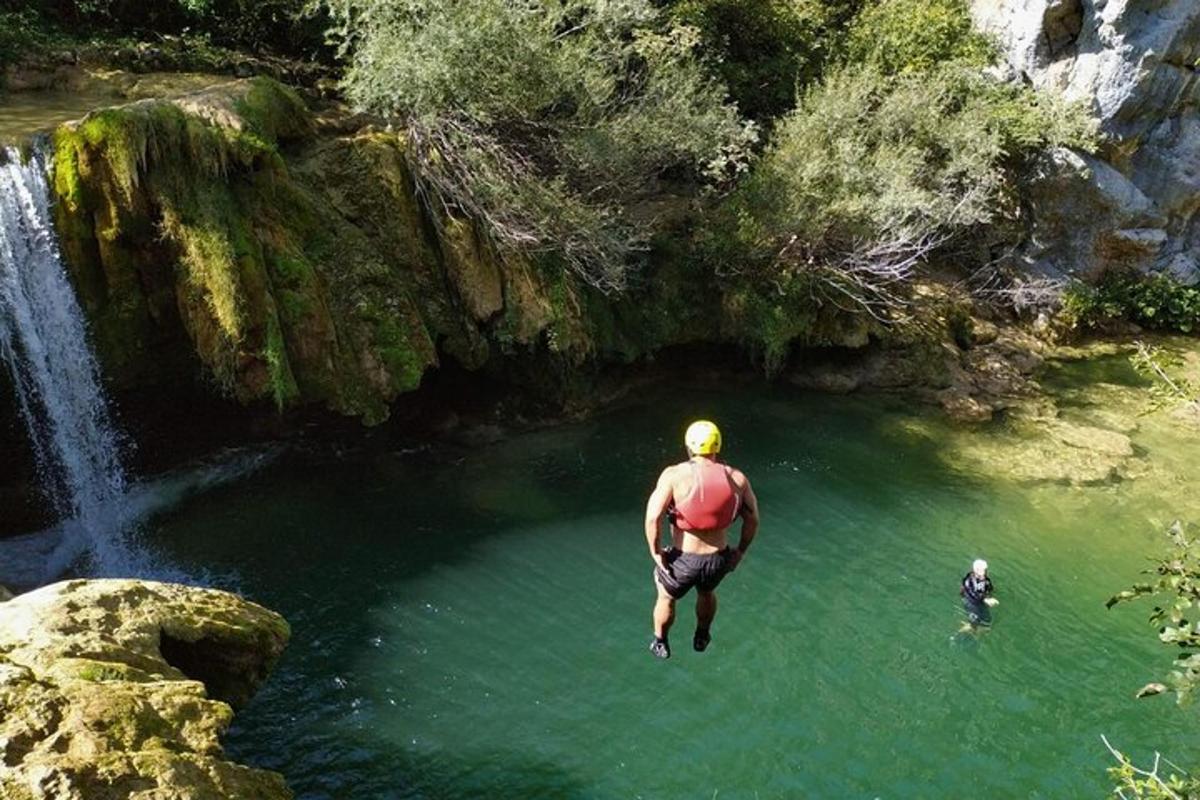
column 701, row 497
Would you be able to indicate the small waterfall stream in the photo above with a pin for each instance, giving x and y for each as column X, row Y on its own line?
column 44, row 346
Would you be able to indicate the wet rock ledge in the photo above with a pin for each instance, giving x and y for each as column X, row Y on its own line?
column 122, row 689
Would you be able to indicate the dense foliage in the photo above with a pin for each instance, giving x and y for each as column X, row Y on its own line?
column 550, row 124
column 873, row 174
column 899, row 36
column 1155, row 302
column 286, row 26
column 545, row 123
column 1174, row 584
column 766, row 50
column 21, row 29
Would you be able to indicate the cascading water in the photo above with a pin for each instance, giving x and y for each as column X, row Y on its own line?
column 44, row 345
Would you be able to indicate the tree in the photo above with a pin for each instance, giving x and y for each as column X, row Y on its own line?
column 546, row 123
column 873, row 174
column 1175, row 586
column 768, row 50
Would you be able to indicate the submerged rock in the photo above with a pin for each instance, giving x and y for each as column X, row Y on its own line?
column 118, row 688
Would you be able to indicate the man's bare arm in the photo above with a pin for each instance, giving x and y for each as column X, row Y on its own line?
column 660, row 498
column 750, row 521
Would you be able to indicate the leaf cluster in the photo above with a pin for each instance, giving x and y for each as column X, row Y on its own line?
column 1174, row 583
column 1132, row 783
column 876, row 165
column 767, row 50
column 286, row 26
column 543, row 119
column 906, row 36
column 1168, row 388
column 1156, row 302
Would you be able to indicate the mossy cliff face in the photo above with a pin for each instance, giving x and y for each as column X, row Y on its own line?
column 283, row 254
column 122, row 689
column 293, row 260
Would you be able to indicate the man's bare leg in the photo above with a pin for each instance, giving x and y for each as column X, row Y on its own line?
column 664, row 615
column 706, row 609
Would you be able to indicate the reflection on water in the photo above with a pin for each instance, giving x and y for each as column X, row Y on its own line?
column 31, row 112
column 25, row 113
column 474, row 623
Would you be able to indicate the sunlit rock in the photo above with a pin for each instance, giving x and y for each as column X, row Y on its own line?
column 116, row 688
column 1133, row 62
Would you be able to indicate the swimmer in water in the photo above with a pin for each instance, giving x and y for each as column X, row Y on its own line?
column 976, row 591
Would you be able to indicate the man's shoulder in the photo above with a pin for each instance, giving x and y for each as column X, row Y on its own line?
column 672, row 471
column 738, row 476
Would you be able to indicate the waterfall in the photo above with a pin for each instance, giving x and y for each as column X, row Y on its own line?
column 44, row 345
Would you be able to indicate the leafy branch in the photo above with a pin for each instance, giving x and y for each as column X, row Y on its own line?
column 1168, row 389
column 1176, row 578
column 1132, row 782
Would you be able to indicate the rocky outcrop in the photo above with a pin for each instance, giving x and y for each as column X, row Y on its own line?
column 1134, row 63
column 956, row 358
column 122, row 689
column 286, row 251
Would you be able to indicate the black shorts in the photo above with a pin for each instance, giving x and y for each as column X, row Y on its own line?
column 978, row 613
column 685, row 570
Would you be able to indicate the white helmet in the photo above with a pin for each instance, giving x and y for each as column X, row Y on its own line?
column 979, row 567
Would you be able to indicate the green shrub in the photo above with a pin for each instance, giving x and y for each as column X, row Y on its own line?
column 21, row 30
column 872, row 174
column 898, row 36
column 545, row 123
column 1156, row 303
column 765, row 49
column 287, row 26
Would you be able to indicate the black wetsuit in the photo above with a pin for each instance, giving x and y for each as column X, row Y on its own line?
column 974, row 590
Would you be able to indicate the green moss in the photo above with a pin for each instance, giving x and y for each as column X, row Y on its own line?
column 201, row 227
column 96, row 672
column 770, row 320
column 283, row 383
column 67, row 182
column 273, row 112
column 405, row 359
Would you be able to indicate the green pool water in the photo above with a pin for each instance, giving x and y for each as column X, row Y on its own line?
column 474, row 622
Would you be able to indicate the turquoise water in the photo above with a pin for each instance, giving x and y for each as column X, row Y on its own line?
column 474, row 623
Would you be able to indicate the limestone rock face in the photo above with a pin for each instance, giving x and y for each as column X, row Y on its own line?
column 286, row 249
column 1134, row 63
column 122, row 689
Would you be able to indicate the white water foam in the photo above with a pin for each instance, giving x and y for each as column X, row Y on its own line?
column 44, row 345
column 31, row 559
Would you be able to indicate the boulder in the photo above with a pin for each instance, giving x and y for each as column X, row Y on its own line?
column 1133, row 62
column 119, row 688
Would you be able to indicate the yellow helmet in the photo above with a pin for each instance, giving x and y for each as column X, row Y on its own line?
column 703, row 438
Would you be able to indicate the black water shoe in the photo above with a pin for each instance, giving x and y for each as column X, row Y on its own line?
column 660, row 648
column 701, row 639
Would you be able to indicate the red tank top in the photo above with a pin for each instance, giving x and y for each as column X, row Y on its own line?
column 713, row 502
